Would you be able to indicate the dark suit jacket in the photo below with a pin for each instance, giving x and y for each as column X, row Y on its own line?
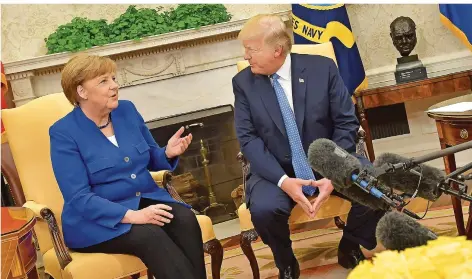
column 99, row 181
column 323, row 109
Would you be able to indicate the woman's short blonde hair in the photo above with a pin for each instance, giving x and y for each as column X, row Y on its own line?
column 271, row 27
column 81, row 68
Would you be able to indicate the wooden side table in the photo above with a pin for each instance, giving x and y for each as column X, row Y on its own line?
column 400, row 93
column 453, row 129
column 18, row 251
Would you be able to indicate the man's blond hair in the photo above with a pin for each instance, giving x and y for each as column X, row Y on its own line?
column 271, row 27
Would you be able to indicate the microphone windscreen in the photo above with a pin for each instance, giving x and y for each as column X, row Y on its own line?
column 333, row 162
column 337, row 165
column 396, row 231
column 406, row 181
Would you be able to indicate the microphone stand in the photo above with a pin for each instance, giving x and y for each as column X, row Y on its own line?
column 445, row 184
column 369, row 184
column 413, row 162
column 456, row 177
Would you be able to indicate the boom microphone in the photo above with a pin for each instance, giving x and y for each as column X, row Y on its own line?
column 336, row 164
column 397, row 232
column 333, row 162
column 406, row 181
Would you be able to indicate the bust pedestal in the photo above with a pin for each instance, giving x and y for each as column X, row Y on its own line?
column 409, row 68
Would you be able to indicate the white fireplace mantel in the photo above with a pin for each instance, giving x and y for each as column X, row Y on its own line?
column 130, row 48
column 147, row 60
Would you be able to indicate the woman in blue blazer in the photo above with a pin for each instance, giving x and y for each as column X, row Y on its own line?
column 101, row 154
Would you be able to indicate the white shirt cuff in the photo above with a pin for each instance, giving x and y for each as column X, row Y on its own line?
column 282, row 180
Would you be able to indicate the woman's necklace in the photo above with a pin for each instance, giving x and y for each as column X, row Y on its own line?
column 106, row 124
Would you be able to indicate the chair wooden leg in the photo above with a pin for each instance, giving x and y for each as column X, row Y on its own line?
column 214, row 248
column 247, row 237
column 339, row 223
column 149, row 275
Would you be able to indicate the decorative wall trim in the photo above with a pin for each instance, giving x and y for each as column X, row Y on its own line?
column 21, row 75
column 130, row 49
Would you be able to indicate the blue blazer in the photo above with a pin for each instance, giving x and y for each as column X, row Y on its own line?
column 323, row 109
column 99, row 181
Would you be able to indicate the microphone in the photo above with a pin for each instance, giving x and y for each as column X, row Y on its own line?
column 397, row 232
column 407, row 180
column 333, row 162
column 404, row 174
column 337, row 165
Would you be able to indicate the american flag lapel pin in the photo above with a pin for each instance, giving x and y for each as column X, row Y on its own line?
column 301, row 80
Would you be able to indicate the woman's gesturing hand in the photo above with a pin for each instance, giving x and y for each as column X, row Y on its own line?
column 154, row 214
column 177, row 145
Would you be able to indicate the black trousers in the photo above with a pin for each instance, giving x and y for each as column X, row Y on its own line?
column 172, row 251
column 270, row 209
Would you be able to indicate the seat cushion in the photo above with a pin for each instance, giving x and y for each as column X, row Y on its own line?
column 334, row 206
column 109, row 266
column 93, row 265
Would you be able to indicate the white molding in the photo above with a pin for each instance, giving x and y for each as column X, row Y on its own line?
column 129, row 47
column 435, row 66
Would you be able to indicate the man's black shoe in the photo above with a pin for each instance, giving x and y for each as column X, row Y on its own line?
column 350, row 258
column 291, row 271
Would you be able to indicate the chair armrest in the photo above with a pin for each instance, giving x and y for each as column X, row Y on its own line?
column 163, row 179
column 245, row 167
column 44, row 213
column 36, row 208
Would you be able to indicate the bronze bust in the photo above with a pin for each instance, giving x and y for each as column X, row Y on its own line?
column 403, row 34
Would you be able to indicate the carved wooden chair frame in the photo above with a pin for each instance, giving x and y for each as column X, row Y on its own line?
column 8, row 168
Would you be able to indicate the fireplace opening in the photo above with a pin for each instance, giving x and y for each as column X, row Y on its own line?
column 208, row 171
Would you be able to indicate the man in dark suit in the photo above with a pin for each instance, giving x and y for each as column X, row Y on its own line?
column 283, row 102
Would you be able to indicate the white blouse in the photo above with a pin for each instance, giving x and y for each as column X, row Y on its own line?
column 113, row 140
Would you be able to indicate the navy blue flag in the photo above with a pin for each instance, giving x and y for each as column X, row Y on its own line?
column 321, row 23
column 458, row 18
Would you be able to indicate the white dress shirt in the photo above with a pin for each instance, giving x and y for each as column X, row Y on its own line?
column 285, row 80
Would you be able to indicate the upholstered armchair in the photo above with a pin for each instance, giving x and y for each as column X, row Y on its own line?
column 28, row 139
column 334, row 207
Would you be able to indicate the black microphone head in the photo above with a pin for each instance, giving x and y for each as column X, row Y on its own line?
column 396, row 231
column 333, row 162
column 406, row 181
column 337, row 165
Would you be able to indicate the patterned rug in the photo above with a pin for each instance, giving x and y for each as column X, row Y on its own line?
column 316, row 251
